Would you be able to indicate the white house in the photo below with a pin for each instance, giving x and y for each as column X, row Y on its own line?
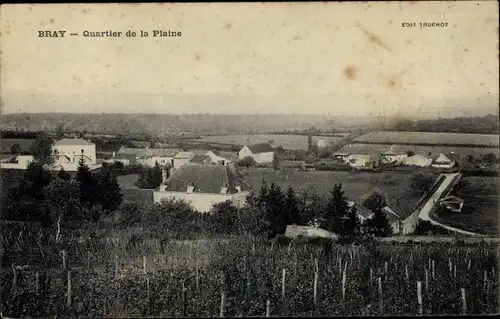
column 217, row 159
column 452, row 203
column 445, row 161
column 394, row 155
column 262, row 153
column 125, row 159
column 418, row 160
column 70, row 150
column 20, row 162
column 182, row 158
column 363, row 161
column 202, row 186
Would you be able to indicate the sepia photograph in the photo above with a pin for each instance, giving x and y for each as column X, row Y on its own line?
column 272, row 159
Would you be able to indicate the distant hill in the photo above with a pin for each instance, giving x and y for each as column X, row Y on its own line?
column 164, row 124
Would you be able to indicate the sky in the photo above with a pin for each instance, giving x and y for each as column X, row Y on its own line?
column 324, row 58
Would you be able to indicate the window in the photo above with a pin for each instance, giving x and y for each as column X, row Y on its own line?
column 82, row 151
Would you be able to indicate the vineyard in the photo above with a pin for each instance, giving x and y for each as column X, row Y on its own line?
column 243, row 277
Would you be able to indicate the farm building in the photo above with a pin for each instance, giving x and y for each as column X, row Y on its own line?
column 366, row 161
column 216, row 158
column 445, row 161
column 149, row 156
column 395, row 155
column 340, row 156
column 125, row 159
column 418, row 160
column 199, row 159
column 452, row 203
column 262, row 153
column 202, row 186
column 182, row 158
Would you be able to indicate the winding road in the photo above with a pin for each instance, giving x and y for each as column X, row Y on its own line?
column 433, row 200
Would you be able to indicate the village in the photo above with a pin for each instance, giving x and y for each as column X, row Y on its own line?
column 206, row 177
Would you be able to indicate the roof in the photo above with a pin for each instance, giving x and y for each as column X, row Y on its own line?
column 201, row 159
column 356, row 149
column 419, row 156
column 260, row 148
column 184, row 155
column 205, row 178
column 148, row 152
column 453, row 157
column 73, row 141
column 228, row 155
column 391, row 215
column 452, row 198
column 124, row 156
column 394, row 150
column 360, row 209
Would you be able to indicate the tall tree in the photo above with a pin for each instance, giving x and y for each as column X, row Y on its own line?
column 42, row 150
column 336, row 210
column 155, row 176
column 60, row 131
column 88, row 184
column 277, row 215
column 142, row 178
column 109, row 195
column 292, row 206
column 378, row 225
column 353, row 224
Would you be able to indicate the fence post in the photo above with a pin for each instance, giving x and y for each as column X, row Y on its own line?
column 68, row 300
column 64, row 258
column 380, row 296
column 343, row 287
column 433, row 270
column 116, row 266
column 14, row 275
column 268, row 308
column 426, row 282
column 184, row 300
column 464, row 302
column 419, row 296
column 37, row 282
column 371, row 276
column 222, row 304
column 149, row 294
column 144, row 264
column 283, row 284
column 315, row 292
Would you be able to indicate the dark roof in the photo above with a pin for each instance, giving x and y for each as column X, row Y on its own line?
column 205, row 178
column 201, row 159
column 453, row 157
column 261, row 148
column 391, row 215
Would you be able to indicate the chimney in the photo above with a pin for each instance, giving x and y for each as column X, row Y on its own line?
column 163, row 176
column 114, row 154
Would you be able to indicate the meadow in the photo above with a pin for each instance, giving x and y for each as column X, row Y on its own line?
column 426, row 138
column 420, row 149
column 355, row 184
column 247, row 277
column 480, row 211
column 292, row 142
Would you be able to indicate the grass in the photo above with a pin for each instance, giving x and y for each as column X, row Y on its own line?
column 355, row 184
column 426, row 138
column 480, row 211
column 422, row 150
column 296, row 142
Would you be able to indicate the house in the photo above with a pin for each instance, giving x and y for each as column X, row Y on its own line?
column 202, row 186
column 262, row 153
column 418, row 160
column 73, row 150
column 448, row 160
column 217, row 158
column 341, row 156
column 394, row 155
column 363, row 161
column 182, row 158
column 150, row 156
column 125, row 159
column 201, row 160
column 452, row 203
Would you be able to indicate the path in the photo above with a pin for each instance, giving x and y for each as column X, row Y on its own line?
column 434, row 198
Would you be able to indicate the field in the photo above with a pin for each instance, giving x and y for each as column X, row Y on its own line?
column 480, row 212
column 426, row 138
column 355, row 184
column 243, row 277
column 420, row 149
column 293, row 142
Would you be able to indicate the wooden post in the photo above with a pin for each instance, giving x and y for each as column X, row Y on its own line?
column 449, row 264
column 419, row 296
column 433, row 270
column 197, row 274
column 253, row 248
column 454, row 273
column 144, row 264
column 385, row 268
column 37, row 282
column 149, row 295
column 316, row 266
column 295, row 264
column 222, row 304
column 315, row 292
column 485, row 278
column 268, row 308
column 426, row 282
column 289, row 248
column 343, row 287
column 407, row 275
column 380, row 296
column 14, row 275
column 64, row 258
column 464, row 302
column 371, row 276
column 116, row 266
column 429, row 264
column 468, row 265
column 184, row 300
column 283, row 276
column 68, row 300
